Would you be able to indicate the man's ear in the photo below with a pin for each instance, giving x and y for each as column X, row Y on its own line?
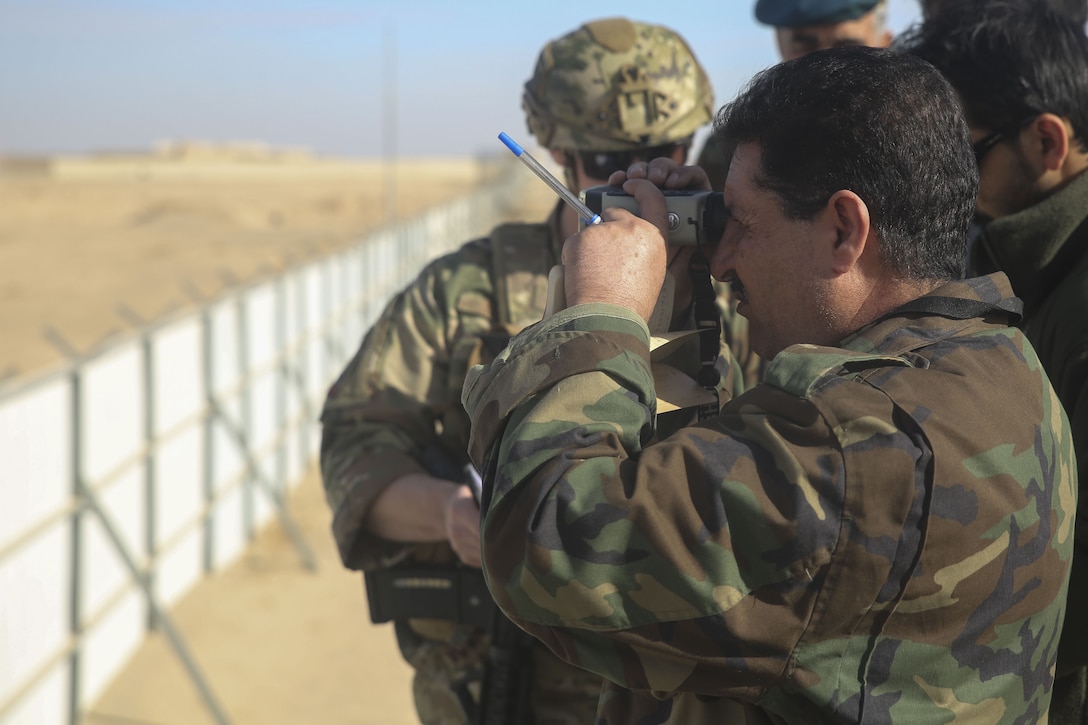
column 1051, row 138
column 560, row 157
column 850, row 217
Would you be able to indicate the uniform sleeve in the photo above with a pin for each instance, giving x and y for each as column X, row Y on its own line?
column 379, row 416
column 664, row 567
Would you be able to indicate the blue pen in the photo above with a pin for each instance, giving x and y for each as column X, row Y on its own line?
column 587, row 215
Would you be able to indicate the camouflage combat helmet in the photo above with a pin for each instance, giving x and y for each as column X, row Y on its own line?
column 616, row 85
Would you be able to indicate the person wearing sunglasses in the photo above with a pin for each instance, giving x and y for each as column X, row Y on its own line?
column 1021, row 72
column 608, row 94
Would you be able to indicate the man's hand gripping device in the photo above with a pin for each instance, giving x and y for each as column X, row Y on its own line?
column 695, row 217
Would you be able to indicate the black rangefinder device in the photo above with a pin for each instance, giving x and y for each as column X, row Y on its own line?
column 695, row 217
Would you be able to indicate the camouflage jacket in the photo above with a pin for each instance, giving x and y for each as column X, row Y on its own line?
column 396, row 407
column 1044, row 251
column 880, row 532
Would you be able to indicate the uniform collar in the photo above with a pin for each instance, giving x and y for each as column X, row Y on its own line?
column 941, row 313
column 1027, row 245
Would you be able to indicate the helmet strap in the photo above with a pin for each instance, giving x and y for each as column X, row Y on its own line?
column 570, row 170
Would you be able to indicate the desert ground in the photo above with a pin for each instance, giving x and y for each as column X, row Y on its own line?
column 82, row 238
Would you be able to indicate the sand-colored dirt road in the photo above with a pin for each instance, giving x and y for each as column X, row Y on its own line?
column 278, row 644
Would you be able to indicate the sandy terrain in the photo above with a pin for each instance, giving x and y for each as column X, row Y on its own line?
column 279, row 645
column 79, row 237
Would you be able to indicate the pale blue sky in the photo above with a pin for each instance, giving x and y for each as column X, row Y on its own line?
column 79, row 76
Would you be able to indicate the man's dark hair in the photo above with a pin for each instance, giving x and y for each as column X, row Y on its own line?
column 881, row 124
column 1075, row 10
column 1009, row 61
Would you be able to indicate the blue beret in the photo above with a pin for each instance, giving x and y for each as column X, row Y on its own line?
column 797, row 13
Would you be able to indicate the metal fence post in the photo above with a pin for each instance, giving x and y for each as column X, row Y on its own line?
column 244, row 404
column 281, row 387
column 75, row 621
column 148, row 383
column 303, row 366
column 207, row 361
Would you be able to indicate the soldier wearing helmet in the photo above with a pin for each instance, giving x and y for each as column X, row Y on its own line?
column 395, row 435
column 614, row 91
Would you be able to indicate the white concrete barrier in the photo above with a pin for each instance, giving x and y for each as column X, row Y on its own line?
column 142, row 466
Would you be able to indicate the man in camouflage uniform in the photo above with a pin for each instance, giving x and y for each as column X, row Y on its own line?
column 395, row 435
column 801, row 26
column 879, row 532
column 1021, row 72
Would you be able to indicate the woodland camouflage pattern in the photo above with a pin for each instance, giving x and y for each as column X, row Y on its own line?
column 399, row 400
column 881, row 532
column 400, row 394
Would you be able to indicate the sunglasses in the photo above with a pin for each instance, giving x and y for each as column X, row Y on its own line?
column 987, row 142
column 601, row 164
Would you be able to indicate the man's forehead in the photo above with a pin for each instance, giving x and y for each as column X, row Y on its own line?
column 743, row 166
column 802, row 13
